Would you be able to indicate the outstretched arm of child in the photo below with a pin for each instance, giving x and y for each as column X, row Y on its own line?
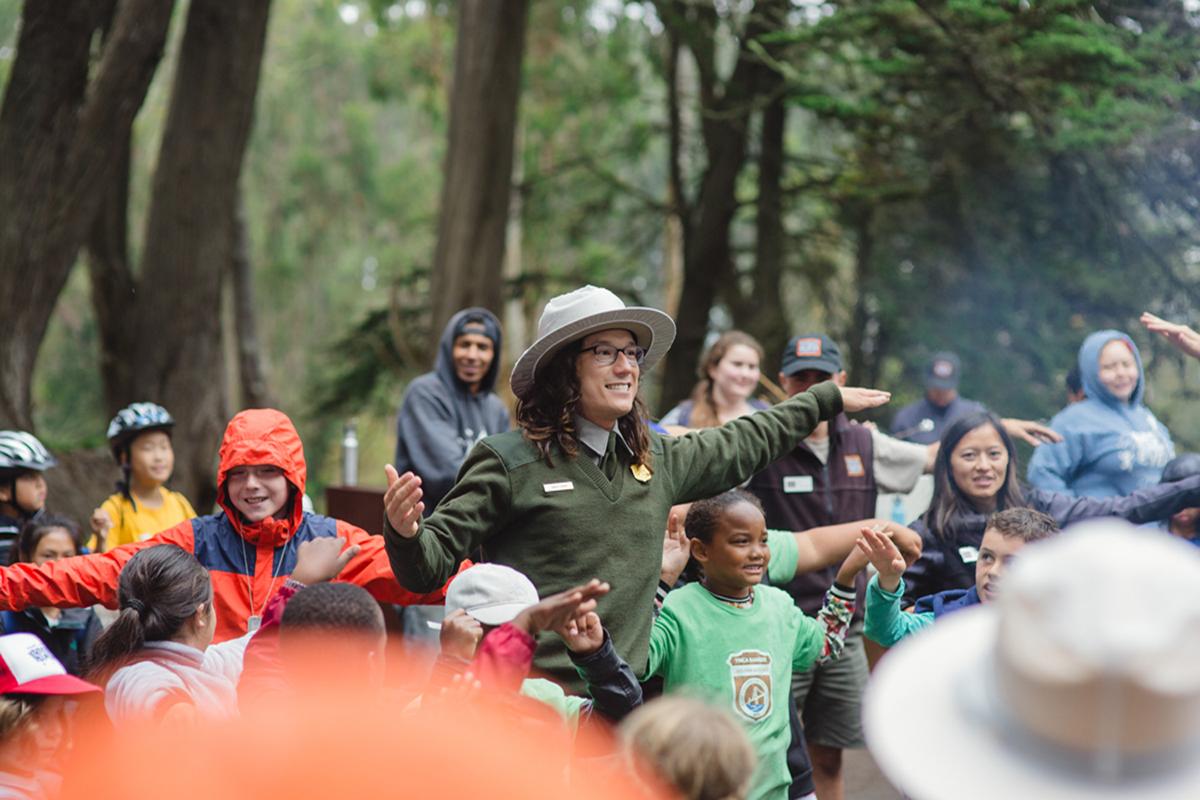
column 610, row 681
column 884, row 556
column 322, row 559
column 883, row 621
column 505, row 655
column 822, row 547
column 80, row 580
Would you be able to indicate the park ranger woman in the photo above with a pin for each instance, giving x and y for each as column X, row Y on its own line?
column 582, row 488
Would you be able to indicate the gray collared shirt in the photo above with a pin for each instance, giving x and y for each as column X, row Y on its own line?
column 595, row 439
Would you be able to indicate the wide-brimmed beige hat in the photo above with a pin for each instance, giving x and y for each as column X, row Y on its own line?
column 572, row 316
column 1081, row 681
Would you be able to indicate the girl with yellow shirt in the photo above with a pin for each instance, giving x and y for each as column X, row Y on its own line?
column 140, row 437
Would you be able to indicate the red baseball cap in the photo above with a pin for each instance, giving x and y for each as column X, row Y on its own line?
column 27, row 667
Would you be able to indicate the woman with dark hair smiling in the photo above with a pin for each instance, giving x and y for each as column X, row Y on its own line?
column 583, row 488
column 975, row 475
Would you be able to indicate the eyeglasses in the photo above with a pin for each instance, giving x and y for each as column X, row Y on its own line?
column 606, row 354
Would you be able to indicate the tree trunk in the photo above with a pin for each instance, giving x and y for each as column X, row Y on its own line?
column 863, row 371
column 189, row 230
column 114, row 288
column 762, row 314
column 252, row 369
column 469, row 258
column 61, row 137
column 725, row 118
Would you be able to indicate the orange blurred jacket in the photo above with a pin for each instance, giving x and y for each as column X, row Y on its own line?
column 248, row 562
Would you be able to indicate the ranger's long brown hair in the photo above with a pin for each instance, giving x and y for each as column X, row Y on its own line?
column 547, row 415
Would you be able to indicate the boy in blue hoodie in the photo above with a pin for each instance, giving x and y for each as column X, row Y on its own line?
column 1007, row 532
column 445, row 412
column 1112, row 443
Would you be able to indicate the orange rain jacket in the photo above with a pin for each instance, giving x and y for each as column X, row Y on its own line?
column 248, row 562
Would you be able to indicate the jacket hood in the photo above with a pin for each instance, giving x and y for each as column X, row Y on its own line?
column 948, row 601
column 1089, row 368
column 454, row 328
column 263, row 436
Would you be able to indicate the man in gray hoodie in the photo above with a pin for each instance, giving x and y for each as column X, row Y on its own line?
column 446, row 411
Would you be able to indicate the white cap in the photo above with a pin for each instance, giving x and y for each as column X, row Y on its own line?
column 491, row 593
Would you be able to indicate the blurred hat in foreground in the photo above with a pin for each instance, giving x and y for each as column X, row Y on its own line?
column 1080, row 682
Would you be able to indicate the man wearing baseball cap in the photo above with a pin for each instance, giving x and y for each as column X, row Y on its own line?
column 831, row 477
column 923, row 421
column 583, row 487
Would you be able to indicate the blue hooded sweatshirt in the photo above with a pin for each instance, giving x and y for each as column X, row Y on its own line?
column 1109, row 447
column 441, row 420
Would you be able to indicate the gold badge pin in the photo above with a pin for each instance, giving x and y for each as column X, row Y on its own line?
column 641, row 472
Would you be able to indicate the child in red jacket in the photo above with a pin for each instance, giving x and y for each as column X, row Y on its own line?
column 249, row 548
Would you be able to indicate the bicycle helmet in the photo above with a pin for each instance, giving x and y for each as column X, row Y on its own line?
column 20, row 451
column 134, row 419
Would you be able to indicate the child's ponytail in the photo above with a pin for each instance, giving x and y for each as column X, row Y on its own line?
column 159, row 590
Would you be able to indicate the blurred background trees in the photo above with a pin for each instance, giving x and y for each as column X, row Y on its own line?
column 297, row 192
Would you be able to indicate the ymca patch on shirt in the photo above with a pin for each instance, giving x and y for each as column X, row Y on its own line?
column 750, row 672
column 854, row 466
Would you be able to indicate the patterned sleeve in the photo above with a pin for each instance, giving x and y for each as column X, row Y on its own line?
column 834, row 618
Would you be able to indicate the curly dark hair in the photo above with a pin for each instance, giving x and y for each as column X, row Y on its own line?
column 547, row 415
column 705, row 515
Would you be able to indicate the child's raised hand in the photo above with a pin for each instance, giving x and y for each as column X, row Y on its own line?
column 855, row 563
column 907, row 541
column 101, row 524
column 321, row 559
column 460, row 636
column 584, row 634
column 676, row 549
column 557, row 609
column 885, row 557
column 402, row 501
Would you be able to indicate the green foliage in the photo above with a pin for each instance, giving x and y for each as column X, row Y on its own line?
column 990, row 149
column 996, row 176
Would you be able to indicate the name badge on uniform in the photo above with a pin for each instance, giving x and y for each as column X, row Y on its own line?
column 968, row 554
column 797, row 484
column 561, row 486
column 854, row 466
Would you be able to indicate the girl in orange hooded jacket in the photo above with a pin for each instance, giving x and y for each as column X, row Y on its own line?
column 249, row 548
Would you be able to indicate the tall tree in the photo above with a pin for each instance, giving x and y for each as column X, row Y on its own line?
column 61, row 136
column 469, row 259
column 707, row 212
column 164, row 322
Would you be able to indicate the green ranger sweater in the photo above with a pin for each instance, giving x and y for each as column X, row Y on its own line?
column 566, row 524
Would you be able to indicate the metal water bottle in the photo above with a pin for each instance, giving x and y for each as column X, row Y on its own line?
column 350, row 454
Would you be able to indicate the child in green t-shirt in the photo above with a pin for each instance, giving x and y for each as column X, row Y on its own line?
column 736, row 643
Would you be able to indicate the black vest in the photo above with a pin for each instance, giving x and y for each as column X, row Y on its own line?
column 798, row 492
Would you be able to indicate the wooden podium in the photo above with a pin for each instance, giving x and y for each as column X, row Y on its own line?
column 357, row 505
column 363, row 508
